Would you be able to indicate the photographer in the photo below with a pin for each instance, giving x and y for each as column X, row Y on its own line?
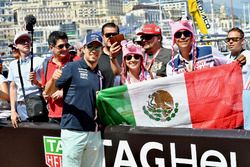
column 22, row 42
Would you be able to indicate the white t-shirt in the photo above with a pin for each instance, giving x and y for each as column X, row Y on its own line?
column 245, row 68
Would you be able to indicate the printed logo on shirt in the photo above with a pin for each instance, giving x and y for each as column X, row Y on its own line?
column 83, row 73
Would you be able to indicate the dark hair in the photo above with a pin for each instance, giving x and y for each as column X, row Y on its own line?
column 237, row 30
column 113, row 25
column 55, row 36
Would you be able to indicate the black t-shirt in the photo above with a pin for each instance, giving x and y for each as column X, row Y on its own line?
column 160, row 63
column 105, row 68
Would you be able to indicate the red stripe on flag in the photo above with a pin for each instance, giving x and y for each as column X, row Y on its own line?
column 215, row 97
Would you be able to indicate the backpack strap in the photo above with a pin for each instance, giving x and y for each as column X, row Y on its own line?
column 45, row 68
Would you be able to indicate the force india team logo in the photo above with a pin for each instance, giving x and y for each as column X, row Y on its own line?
column 53, row 151
column 161, row 106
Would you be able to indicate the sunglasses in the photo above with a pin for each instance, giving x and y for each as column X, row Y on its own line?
column 147, row 37
column 93, row 47
column 108, row 35
column 185, row 33
column 136, row 57
column 23, row 41
column 61, row 46
column 234, row 39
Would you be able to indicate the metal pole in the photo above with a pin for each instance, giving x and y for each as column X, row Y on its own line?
column 232, row 10
column 160, row 14
column 212, row 13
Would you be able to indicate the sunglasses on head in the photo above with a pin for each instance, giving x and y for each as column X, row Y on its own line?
column 136, row 57
column 108, row 35
column 185, row 33
column 91, row 47
column 147, row 37
column 234, row 39
column 61, row 46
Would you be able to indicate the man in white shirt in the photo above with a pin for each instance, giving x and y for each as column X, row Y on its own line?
column 235, row 42
column 22, row 42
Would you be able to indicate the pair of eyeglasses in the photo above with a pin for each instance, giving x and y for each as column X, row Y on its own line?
column 147, row 37
column 93, row 47
column 234, row 39
column 108, row 35
column 23, row 41
column 61, row 46
column 136, row 57
column 180, row 33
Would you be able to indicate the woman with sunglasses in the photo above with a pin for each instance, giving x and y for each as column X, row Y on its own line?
column 190, row 57
column 132, row 66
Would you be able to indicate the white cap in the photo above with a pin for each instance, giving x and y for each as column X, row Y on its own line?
column 21, row 34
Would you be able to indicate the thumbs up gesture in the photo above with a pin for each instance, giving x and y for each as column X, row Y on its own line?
column 57, row 73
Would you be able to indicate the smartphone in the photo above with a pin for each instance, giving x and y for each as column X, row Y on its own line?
column 117, row 38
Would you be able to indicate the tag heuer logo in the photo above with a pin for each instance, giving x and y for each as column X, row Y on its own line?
column 161, row 106
column 53, row 151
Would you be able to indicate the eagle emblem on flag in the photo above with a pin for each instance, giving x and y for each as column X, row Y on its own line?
column 161, row 106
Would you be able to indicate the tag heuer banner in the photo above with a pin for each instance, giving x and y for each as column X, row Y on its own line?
column 208, row 98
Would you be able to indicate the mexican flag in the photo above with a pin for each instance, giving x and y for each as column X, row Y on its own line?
column 208, row 98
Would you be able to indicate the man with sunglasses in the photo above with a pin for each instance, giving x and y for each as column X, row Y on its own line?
column 156, row 57
column 80, row 80
column 22, row 42
column 190, row 56
column 111, row 56
column 59, row 47
column 235, row 42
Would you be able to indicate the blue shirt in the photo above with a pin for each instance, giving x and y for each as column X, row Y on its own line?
column 13, row 75
column 79, row 84
column 207, row 56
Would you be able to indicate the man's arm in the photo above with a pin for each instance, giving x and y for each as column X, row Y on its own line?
column 50, row 86
column 4, row 93
column 14, row 116
column 115, row 50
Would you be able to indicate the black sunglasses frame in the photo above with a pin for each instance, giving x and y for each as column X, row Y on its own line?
column 136, row 57
column 147, row 37
column 234, row 39
column 108, row 35
column 179, row 34
column 91, row 47
column 61, row 46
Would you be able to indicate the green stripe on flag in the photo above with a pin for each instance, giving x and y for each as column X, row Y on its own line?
column 114, row 106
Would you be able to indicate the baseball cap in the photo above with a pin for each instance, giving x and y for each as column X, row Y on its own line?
column 91, row 38
column 72, row 50
column 151, row 29
column 21, row 34
column 11, row 46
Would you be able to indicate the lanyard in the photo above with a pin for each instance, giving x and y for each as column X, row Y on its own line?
column 153, row 59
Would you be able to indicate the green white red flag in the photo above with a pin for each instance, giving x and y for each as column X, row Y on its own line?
column 208, row 98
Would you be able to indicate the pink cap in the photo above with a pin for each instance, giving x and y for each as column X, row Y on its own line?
column 151, row 29
column 131, row 48
column 181, row 25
